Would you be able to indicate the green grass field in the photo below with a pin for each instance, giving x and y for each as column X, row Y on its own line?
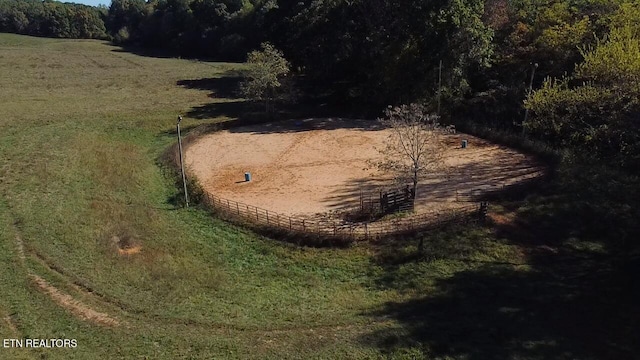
column 83, row 125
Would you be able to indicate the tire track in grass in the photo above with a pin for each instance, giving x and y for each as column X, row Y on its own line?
column 85, row 312
column 10, row 324
column 76, row 307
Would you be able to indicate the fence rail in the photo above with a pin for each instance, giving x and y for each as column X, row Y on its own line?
column 334, row 231
column 324, row 231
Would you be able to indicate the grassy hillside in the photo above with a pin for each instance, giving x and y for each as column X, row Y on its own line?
column 82, row 127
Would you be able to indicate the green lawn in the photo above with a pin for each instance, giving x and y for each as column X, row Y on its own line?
column 83, row 125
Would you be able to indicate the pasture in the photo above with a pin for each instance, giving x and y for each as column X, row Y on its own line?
column 94, row 248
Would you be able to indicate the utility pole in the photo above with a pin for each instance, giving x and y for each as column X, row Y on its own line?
column 526, row 111
column 184, row 179
column 439, row 86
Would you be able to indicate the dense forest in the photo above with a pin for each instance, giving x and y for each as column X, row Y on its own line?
column 371, row 53
column 52, row 19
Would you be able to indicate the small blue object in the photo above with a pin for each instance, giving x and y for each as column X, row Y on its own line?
column 464, row 144
column 247, row 176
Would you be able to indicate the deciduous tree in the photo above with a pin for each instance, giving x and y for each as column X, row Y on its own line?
column 264, row 78
column 414, row 146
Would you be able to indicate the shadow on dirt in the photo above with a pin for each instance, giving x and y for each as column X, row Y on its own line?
column 497, row 172
column 310, row 124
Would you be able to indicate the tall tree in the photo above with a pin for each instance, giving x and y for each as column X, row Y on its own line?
column 264, row 78
column 414, row 146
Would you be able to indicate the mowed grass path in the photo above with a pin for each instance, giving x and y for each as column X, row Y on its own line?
column 82, row 127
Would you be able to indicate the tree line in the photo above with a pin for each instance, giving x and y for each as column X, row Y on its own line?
column 474, row 57
column 52, row 19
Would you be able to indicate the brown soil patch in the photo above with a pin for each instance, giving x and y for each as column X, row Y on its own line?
column 502, row 219
column 76, row 307
column 125, row 245
column 130, row 251
column 321, row 165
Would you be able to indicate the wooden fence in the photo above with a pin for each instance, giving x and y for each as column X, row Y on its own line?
column 397, row 200
column 326, row 231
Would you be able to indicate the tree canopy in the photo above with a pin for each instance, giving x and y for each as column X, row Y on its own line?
column 263, row 79
column 372, row 53
column 597, row 108
column 52, row 19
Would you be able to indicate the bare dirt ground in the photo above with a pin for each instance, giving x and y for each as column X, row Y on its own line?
column 314, row 166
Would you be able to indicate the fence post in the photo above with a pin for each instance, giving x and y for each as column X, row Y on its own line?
column 257, row 217
column 483, row 210
column 290, row 225
column 304, row 227
column 267, row 211
column 366, row 232
column 238, row 208
column 228, row 206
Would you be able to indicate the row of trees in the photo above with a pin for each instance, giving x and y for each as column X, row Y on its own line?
column 52, row 19
column 379, row 52
column 372, row 52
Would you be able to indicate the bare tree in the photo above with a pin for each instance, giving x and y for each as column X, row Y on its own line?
column 414, row 146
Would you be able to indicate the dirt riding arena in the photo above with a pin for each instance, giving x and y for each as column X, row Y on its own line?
column 314, row 166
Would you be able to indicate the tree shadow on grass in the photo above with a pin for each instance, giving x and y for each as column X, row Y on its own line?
column 496, row 312
column 226, row 86
column 226, row 90
column 238, row 110
column 576, row 296
column 143, row 51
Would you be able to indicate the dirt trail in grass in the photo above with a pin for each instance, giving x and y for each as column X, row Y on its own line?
column 11, row 324
column 20, row 246
column 76, row 307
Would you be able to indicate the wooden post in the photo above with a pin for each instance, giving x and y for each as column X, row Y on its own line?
column 267, row 211
column 184, row 179
column 238, row 208
column 290, row 224
column 257, row 217
column 439, row 86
